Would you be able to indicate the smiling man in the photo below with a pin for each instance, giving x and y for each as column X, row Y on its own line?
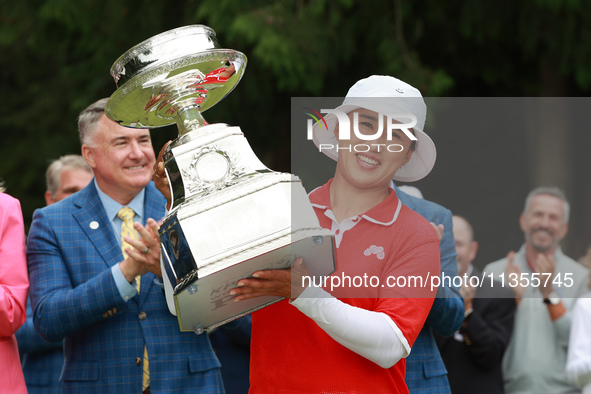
column 546, row 284
column 92, row 266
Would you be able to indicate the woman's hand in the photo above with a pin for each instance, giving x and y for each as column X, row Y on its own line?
column 285, row 283
column 160, row 179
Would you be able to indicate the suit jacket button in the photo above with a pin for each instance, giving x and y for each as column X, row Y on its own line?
column 138, row 361
column 142, row 315
column 105, row 315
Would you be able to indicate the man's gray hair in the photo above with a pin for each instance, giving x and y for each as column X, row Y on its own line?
column 54, row 171
column 550, row 191
column 88, row 120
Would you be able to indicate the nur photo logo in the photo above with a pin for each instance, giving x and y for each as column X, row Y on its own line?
column 402, row 122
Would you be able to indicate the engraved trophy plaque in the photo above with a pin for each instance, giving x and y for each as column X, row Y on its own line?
column 230, row 214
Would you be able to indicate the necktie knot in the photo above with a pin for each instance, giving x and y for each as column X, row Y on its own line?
column 126, row 214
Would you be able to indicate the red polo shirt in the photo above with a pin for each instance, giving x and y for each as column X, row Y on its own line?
column 391, row 247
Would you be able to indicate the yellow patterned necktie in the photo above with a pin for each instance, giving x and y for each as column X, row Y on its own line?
column 126, row 214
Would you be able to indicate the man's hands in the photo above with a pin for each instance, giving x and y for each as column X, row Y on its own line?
column 285, row 283
column 144, row 256
column 512, row 268
column 545, row 265
column 439, row 229
column 542, row 265
column 160, row 179
column 468, row 292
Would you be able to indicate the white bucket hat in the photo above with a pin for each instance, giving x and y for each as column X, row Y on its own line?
column 388, row 96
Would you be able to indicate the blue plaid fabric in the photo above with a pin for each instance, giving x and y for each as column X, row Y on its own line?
column 70, row 250
column 42, row 361
column 425, row 371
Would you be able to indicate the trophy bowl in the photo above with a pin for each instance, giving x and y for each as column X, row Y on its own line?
column 230, row 214
column 172, row 78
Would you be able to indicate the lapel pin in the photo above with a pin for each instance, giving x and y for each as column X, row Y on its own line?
column 93, row 225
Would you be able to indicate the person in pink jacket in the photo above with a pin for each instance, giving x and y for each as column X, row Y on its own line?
column 14, row 285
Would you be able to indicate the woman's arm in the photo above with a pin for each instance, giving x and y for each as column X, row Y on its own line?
column 14, row 281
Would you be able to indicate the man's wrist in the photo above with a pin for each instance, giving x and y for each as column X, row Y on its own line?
column 126, row 289
column 129, row 276
column 468, row 313
column 467, row 306
column 552, row 298
column 556, row 308
column 547, row 291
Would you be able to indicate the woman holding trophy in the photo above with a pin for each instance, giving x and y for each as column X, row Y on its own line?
column 353, row 336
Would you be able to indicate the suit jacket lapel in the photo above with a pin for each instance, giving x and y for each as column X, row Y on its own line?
column 92, row 219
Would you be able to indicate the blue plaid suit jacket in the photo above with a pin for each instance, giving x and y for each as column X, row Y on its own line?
column 425, row 371
column 74, row 297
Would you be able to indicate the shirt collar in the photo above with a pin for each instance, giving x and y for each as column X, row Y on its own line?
column 112, row 207
column 381, row 214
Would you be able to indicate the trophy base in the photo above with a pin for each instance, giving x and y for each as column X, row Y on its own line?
column 206, row 303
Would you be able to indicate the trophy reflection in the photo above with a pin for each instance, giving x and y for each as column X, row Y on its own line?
column 230, row 215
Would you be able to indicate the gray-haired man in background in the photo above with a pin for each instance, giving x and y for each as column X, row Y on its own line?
column 546, row 284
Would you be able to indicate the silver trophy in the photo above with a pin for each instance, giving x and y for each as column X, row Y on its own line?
column 230, row 214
